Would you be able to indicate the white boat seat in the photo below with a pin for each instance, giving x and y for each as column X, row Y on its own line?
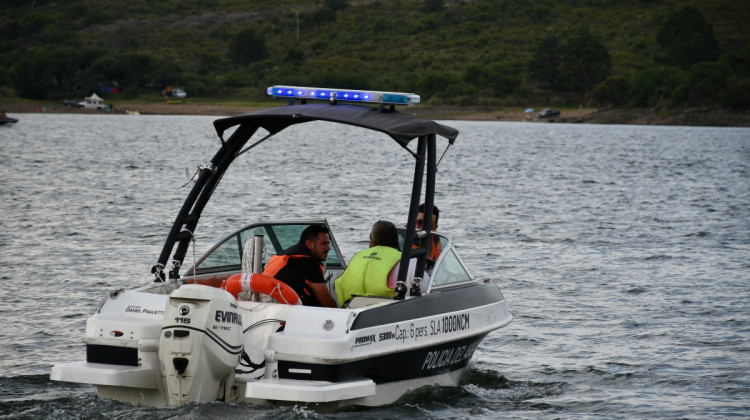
column 363, row 301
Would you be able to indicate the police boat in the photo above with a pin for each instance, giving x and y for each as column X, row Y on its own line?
column 222, row 331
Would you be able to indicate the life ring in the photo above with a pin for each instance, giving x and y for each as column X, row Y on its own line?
column 260, row 283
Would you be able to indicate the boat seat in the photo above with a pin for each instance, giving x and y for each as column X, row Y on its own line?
column 363, row 301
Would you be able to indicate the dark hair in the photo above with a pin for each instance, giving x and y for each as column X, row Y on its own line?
column 384, row 233
column 435, row 211
column 311, row 233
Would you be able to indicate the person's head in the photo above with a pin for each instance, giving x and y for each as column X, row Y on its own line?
column 384, row 233
column 435, row 217
column 318, row 240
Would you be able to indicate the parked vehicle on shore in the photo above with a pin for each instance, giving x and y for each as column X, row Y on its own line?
column 90, row 102
column 72, row 103
column 549, row 113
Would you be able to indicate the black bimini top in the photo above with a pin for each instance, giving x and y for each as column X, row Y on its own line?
column 401, row 127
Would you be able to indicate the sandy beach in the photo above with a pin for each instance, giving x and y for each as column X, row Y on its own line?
column 691, row 117
column 188, row 108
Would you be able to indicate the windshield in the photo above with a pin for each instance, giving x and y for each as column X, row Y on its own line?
column 227, row 255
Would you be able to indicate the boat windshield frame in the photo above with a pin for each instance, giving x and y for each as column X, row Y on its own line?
column 401, row 127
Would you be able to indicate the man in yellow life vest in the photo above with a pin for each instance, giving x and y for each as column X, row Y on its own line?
column 373, row 271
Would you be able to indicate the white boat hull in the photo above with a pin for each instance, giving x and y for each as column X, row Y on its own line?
column 334, row 357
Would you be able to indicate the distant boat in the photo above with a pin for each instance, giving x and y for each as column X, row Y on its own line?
column 132, row 112
column 7, row 120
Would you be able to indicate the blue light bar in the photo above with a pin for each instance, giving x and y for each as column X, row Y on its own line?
column 344, row 95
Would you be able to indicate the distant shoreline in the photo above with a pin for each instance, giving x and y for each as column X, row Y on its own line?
column 689, row 117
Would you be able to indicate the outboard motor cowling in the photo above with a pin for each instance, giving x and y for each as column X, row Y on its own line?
column 200, row 343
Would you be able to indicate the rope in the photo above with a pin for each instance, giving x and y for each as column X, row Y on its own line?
column 278, row 289
column 191, row 178
column 210, row 166
column 443, row 155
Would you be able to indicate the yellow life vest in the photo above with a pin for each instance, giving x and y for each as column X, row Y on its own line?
column 367, row 274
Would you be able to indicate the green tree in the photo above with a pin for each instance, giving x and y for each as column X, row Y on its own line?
column 611, row 92
column 337, row 5
column 705, row 84
column 437, row 83
column 36, row 21
column 432, row 6
column 132, row 69
column 62, row 64
column 248, row 47
column 33, row 77
column 104, row 68
column 654, row 86
column 739, row 60
column 498, row 79
column 323, row 15
column 341, row 79
column 166, row 73
column 586, row 62
column 737, row 95
column 136, row 68
column 687, row 38
column 545, row 65
column 504, row 78
column 295, row 55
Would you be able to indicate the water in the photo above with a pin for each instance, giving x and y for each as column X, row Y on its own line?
column 624, row 252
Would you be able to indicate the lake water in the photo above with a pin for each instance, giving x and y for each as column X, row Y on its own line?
column 624, row 252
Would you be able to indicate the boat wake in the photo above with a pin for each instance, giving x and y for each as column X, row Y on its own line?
column 481, row 392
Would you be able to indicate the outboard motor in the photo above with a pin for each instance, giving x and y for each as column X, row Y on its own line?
column 200, row 344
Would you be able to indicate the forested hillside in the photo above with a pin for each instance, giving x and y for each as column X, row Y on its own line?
column 628, row 53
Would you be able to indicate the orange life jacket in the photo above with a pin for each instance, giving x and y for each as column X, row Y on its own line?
column 282, row 266
column 435, row 247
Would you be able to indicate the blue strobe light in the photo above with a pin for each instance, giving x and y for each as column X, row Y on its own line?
column 344, row 95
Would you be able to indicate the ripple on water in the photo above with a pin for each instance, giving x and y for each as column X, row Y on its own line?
column 622, row 251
